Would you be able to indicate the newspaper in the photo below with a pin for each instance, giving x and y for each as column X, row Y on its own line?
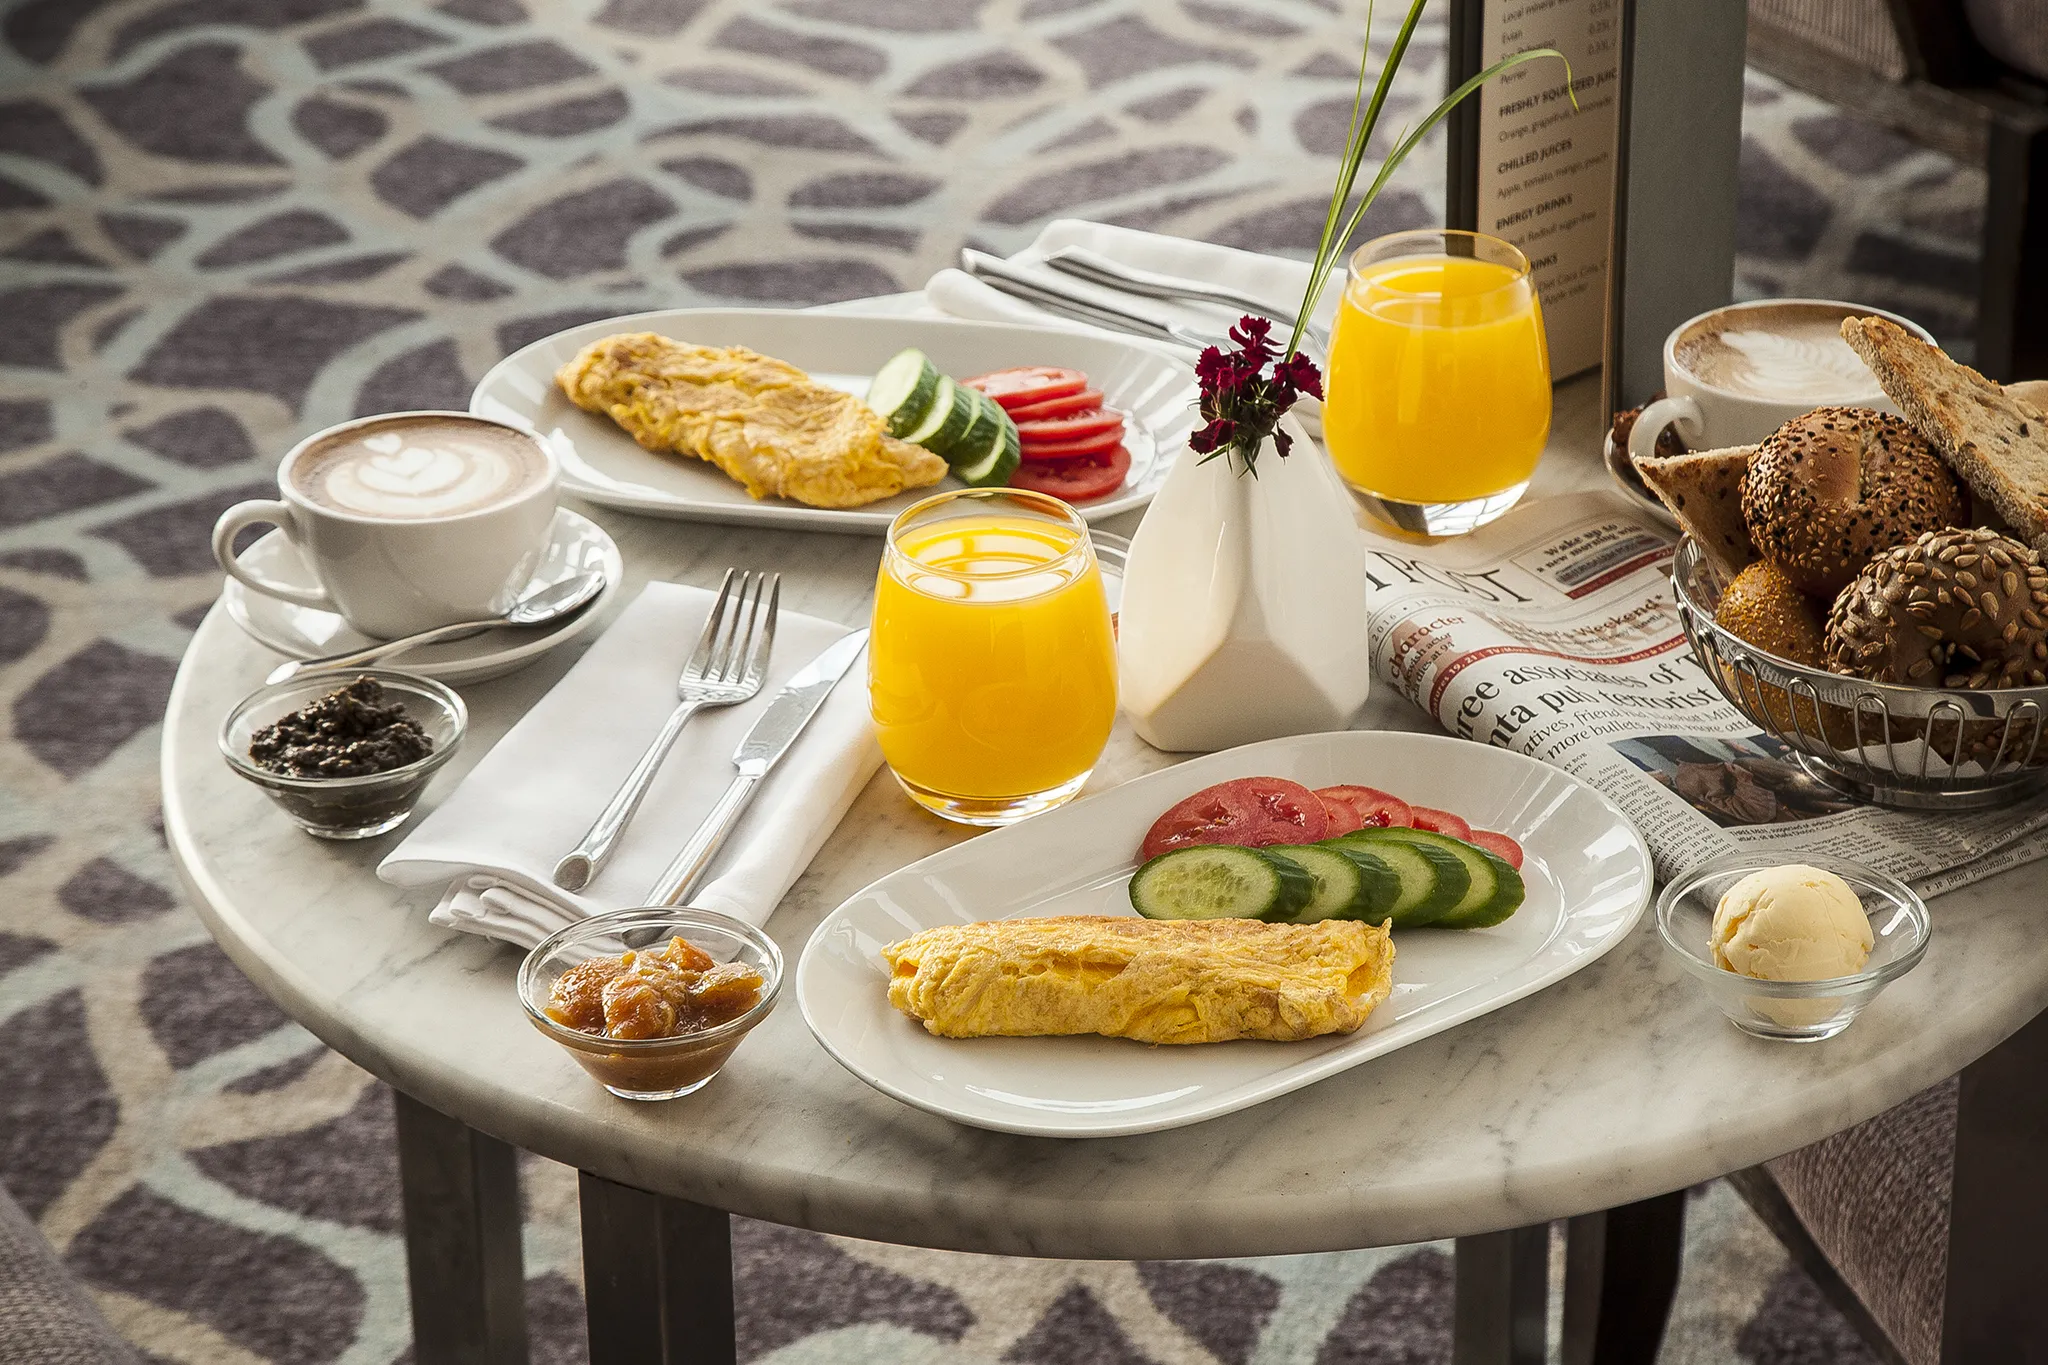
column 1554, row 633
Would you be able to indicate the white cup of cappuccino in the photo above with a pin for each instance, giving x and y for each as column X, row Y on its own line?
column 1734, row 375
column 408, row 520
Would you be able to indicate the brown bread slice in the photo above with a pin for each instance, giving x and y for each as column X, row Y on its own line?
column 1703, row 489
column 1996, row 443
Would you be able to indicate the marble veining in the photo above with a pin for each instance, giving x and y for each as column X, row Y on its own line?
column 1620, row 1082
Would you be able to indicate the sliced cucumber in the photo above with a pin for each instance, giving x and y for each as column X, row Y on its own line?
column 1433, row 880
column 1349, row 884
column 1220, row 882
column 936, row 416
column 946, row 441
column 993, row 466
column 902, row 391
column 1495, row 891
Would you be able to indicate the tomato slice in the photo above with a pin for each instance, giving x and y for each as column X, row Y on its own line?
column 1502, row 847
column 1024, row 385
column 1078, row 427
column 1370, row 807
column 1057, row 407
column 1442, row 821
column 1086, row 448
column 1075, row 480
column 1249, row 812
column 1343, row 819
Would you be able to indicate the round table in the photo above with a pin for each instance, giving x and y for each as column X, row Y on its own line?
column 1620, row 1083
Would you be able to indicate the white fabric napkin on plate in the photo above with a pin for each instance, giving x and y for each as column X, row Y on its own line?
column 495, row 840
column 1270, row 279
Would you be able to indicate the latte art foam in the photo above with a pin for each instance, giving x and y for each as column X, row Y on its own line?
column 1780, row 357
column 413, row 468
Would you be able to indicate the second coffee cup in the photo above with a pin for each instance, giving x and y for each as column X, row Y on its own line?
column 1734, row 375
column 408, row 520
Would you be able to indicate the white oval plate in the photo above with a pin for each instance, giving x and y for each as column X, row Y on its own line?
column 602, row 464
column 575, row 543
column 1588, row 876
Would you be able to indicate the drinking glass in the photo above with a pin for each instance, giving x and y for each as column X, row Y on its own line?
column 992, row 667
column 1439, row 379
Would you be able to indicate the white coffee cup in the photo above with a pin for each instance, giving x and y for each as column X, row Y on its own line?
column 1734, row 375
column 408, row 520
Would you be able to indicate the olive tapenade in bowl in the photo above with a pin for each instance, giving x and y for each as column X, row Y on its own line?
column 346, row 754
column 652, row 1001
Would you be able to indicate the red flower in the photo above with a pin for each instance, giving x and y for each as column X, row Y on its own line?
column 1240, row 403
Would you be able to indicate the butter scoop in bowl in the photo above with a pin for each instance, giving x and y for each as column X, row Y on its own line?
column 1792, row 951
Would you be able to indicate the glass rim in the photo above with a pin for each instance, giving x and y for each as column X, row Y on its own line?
column 418, row 684
column 1518, row 259
column 596, row 925
column 1065, row 511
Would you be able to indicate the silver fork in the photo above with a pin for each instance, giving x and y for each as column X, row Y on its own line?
column 1086, row 265
column 727, row 667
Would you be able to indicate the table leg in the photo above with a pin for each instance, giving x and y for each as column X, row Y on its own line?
column 1620, row 1276
column 657, row 1278
column 1503, row 1283
column 1997, row 1296
column 462, row 1225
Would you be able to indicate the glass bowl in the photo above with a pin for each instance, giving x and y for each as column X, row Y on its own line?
column 347, row 807
column 1793, row 1011
column 651, row 1068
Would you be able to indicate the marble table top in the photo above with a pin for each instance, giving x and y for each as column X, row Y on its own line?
column 1619, row 1083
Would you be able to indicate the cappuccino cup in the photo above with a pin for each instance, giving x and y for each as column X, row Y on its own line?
column 407, row 520
column 1734, row 375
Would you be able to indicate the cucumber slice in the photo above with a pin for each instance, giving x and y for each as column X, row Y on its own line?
column 988, row 419
column 902, row 391
column 945, row 442
column 1220, row 882
column 936, row 416
column 1433, row 880
column 1496, row 889
column 1349, row 884
column 992, row 468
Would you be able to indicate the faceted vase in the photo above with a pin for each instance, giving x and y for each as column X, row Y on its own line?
column 1243, row 613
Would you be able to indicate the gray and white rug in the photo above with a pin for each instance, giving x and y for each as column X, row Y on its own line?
column 224, row 223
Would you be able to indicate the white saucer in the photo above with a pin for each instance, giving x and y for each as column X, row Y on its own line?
column 1630, row 484
column 575, row 544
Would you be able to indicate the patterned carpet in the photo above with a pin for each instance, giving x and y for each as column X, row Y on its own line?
column 226, row 222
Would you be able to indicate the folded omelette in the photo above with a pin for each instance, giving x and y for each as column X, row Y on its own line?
column 763, row 421
column 1158, row 981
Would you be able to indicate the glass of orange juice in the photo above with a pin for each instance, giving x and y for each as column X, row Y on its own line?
column 1438, row 386
column 992, row 667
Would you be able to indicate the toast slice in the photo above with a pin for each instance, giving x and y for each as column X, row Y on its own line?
column 1703, row 489
column 1997, row 443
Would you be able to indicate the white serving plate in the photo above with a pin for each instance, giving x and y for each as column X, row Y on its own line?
column 602, row 464
column 1587, row 870
column 576, row 544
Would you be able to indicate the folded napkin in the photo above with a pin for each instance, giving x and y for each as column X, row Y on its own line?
column 1270, row 279
column 495, row 841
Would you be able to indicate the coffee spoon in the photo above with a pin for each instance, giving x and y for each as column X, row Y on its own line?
column 539, row 607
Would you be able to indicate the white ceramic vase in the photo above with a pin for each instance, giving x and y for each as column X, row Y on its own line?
column 1243, row 613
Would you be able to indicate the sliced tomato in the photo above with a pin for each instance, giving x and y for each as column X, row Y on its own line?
column 1249, row 812
column 1370, row 807
column 1080, row 426
column 1057, row 407
column 1502, row 847
column 1442, row 821
column 1075, row 480
column 1025, row 385
column 1086, row 448
column 1343, row 819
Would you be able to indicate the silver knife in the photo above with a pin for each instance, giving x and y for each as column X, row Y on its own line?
column 758, row 753
column 1000, row 275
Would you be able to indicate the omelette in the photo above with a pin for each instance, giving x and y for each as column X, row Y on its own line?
column 764, row 422
column 1158, row 981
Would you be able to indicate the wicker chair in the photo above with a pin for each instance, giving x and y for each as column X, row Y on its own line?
column 1967, row 77
column 45, row 1318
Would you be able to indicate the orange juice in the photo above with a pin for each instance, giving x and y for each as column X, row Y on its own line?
column 992, row 671
column 1439, row 377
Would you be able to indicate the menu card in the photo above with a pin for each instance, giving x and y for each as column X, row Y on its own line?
column 1526, row 167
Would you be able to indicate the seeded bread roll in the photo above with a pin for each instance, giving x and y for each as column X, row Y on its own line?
column 1961, row 608
column 1829, row 490
column 1763, row 608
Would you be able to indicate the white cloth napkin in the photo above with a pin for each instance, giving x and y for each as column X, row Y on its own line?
column 1270, row 279
column 495, row 840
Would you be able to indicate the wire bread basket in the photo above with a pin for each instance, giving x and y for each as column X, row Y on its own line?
column 1926, row 748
